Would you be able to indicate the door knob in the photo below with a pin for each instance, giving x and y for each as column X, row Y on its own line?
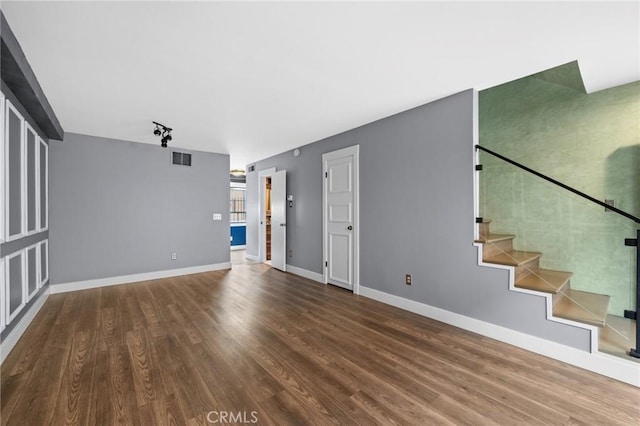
column 349, row 227
column 283, row 224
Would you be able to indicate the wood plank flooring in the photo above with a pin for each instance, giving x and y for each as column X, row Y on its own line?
column 255, row 344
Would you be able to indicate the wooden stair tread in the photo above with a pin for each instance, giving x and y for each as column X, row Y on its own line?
column 513, row 258
column 583, row 306
column 493, row 238
column 545, row 280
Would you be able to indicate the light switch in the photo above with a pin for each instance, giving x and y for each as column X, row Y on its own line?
column 217, row 216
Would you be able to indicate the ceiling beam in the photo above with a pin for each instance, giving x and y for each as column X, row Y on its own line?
column 21, row 80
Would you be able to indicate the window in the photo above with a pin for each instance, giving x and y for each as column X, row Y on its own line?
column 237, row 205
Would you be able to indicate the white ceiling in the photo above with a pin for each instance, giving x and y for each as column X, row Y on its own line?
column 256, row 79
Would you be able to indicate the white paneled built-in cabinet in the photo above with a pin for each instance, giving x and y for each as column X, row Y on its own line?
column 24, row 157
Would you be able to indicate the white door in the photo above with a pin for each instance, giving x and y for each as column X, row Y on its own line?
column 279, row 220
column 340, row 205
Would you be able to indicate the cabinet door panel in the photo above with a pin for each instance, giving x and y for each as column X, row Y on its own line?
column 3, row 295
column 32, row 272
column 2, row 188
column 43, row 190
column 32, row 183
column 14, row 141
column 15, row 284
column 44, row 262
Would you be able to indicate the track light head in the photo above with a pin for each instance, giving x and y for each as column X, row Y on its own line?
column 163, row 130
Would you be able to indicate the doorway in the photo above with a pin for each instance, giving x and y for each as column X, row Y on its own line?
column 340, row 216
column 267, row 219
column 272, row 218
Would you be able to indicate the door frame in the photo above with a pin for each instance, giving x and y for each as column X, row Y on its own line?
column 262, row 226
column 355, row 151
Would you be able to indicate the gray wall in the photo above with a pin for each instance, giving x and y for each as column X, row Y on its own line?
column 416, row 212
column 120, row 208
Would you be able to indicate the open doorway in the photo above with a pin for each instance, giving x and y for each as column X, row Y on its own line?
column 238, row 216
column 267, row 219
column 272, row 217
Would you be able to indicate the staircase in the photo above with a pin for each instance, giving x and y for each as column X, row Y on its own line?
column 575, row 305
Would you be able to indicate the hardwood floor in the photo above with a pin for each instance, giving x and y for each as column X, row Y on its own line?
column 256, row 344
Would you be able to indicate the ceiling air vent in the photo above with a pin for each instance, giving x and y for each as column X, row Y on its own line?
column 180, row 158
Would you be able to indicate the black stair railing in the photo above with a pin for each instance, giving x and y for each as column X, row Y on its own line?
column 632, row 242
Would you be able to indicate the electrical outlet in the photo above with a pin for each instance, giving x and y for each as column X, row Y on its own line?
column 407, row 279
column 611, row 203
column 174, row 256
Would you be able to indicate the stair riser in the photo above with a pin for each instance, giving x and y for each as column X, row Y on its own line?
column 562, row 294
column 496, row 248
column 484, row 229
column 527, row 268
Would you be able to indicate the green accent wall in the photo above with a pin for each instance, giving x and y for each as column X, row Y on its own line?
column 589, row 141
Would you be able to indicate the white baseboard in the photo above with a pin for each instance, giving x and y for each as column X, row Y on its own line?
column 10, row 341
column 598, row 362
column 251, row 257
column 233, row 248
column 305, row 273
column 125, row 279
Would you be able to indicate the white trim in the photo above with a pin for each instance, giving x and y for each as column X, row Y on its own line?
column 597, row 362
column 43, row 279
column 262, row 241
column 43, row 144
column 252, row 257
column 36, row 178
column 23, row 226
column 38, row 286
column 4, row 167
column 593, row 330
column 242, row 247
column 476, row 161
column 10, row 341
column 2, row 280
column 23, row 300
column 237, row 224
column 314, row 276
column 355, row 151
column 128, row 279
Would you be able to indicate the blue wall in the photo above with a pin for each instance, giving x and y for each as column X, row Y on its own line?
column 238, row 235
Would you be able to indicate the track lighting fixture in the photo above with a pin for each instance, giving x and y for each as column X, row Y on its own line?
column 163, row 130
